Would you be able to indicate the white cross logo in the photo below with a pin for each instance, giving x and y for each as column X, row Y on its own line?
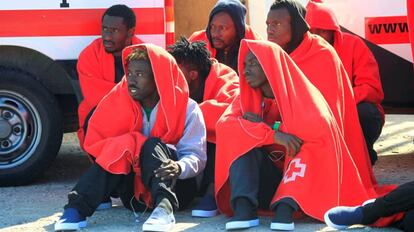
column 298, row 169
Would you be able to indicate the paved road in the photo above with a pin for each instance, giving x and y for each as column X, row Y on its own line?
column 38, row 206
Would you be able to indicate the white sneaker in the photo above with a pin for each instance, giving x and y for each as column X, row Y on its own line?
column 159, row 220
column 237, row 225
column 282, row 226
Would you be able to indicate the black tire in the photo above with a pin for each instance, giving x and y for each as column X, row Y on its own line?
column 30, row 128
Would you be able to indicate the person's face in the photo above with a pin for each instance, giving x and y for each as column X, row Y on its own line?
column 192, row 78
column 328, row 35
column 255, row 76
column 223, row 31
column 279, row 28
column 115, row 34
column 141, row 83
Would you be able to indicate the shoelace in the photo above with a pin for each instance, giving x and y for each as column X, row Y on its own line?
column 136, row 215
column 158, row 213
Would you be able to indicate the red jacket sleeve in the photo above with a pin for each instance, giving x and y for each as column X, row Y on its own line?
column 237, row 130
column 366, row 80
column 95, row 71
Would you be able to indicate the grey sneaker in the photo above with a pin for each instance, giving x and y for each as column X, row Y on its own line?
column 159, row 220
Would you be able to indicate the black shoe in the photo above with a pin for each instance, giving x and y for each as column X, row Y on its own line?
column 283, row 219
column 245, row 215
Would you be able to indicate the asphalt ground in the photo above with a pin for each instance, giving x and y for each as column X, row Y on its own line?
column 36, row 207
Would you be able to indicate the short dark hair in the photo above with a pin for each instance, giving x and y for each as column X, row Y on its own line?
column 194, row 54
column 123, row 11
column 139, row 53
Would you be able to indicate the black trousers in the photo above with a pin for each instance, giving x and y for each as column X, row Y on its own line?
column 254, row 176
column 400, row 199
column 208, row 173
column 97, row 184
column 88, row 117
column 371, row 124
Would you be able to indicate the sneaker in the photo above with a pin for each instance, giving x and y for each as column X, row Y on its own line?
column 282, row 226
column 106, row 204
column 70, row 220
column 241, row 224
column 245, row 215
column 341, row 217
column 238, row 224
column 283, row 218
column 206, row 207
column 368, row 202
column 159, row 220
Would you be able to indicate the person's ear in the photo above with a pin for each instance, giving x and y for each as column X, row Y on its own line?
column 131, row 32
column 193, row 75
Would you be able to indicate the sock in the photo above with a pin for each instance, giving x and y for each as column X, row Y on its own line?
column 244, row 210
column 283, row 213
column 164, row 203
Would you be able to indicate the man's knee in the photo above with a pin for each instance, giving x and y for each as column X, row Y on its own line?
column 148, row 149
column 153, row 153
column 363, row 109
column 150, row 144
column 368, row 111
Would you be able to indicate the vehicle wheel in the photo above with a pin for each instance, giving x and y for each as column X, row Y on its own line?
column 30, row 128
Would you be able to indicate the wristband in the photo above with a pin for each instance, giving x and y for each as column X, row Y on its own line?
column 276, row 126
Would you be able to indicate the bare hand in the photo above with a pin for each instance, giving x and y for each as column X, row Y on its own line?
column 290, row 142
column 252, row 117
column 168, row 170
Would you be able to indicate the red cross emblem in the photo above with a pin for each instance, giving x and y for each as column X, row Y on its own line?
column 295, row 169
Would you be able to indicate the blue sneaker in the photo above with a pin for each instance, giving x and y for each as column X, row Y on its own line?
column 206, row 207
column 341, row 217
column 106, row 204
column 70, row 220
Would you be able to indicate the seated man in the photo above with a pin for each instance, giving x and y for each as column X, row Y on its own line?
column 319, row 62
column 226, row 27
column 213, row 86
column 100, row 64
column 361, row 67
column 317, row 161
column 400, row 200
column 149, row 141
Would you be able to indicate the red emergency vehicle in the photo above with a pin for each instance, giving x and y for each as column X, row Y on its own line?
column 39, row 90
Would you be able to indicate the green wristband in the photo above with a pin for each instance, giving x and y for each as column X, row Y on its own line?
column 276, row 126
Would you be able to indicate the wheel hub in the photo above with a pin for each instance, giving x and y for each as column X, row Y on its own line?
column 5, row 129
column 11, row 127
column 17, row 129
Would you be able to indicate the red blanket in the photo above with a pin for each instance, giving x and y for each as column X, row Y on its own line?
column 114, row 137
column 359, row 62
column 314, row 55
column 201, row 35
column 323, row 174
column 410, row 16
column 222, row 84
column 96, row 70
